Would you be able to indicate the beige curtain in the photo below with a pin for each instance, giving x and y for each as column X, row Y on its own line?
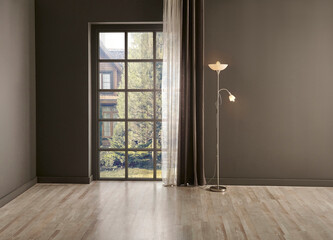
column 172, row 22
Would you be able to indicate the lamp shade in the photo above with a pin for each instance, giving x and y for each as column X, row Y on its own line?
column 232, row 98
column 218, row 66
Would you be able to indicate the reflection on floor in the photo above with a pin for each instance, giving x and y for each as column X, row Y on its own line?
column 132, row 173
column 147, row 210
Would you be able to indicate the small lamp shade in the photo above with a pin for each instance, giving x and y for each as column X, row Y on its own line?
column 232, row 98
column 218, row 66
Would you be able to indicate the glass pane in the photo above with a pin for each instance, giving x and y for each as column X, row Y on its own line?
column 140, row 45
column 111, row 45
column 111, row 105
column 140, row 105
column 111, row 75
column 158, row 165
column 158, row 105
column 159, row 75
column 158, row 134
column 112, row 164
column 140, row 135
column 140, row 75
column 112, row 134
column 159, row 45
column 140, row 164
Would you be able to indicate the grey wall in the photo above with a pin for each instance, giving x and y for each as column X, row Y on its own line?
column 62, row 78
column 280, row 130
column 17, row 97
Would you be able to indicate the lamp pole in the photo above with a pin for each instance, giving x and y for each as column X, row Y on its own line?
column 218, row 188
column 218, row 129
column 218, row 67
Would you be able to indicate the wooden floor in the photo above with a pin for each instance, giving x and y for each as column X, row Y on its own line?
column 149, row 211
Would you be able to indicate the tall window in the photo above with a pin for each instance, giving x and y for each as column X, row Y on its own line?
column 128, row 101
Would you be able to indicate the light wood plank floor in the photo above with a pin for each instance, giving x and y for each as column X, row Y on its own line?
column 149, row 211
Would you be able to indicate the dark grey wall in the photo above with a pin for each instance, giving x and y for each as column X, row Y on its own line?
column 281, row 71
column 62, row 78
column 17, row 97
column 280, row 57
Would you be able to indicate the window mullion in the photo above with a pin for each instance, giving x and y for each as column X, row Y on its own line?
column 154, row 104
column 126, row 105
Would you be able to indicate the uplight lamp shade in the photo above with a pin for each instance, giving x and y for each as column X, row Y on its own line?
column 218, row 66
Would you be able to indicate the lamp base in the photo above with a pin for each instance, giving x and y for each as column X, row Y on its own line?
column 218, row 189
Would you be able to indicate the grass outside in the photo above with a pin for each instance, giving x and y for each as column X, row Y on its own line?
column 132, row 173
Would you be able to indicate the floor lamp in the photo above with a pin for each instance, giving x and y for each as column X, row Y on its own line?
column 218, row 67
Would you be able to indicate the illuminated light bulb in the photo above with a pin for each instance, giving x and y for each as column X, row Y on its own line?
column 218, row 66
column 232, row 98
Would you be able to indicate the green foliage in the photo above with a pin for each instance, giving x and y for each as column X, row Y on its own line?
column 159, row 45
column 140, row 160
column 140, row 45
column 110, row 160
column 159, row 66
column 140, row 105
column 140, row 134
column 140, row 75
column 118, row 141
